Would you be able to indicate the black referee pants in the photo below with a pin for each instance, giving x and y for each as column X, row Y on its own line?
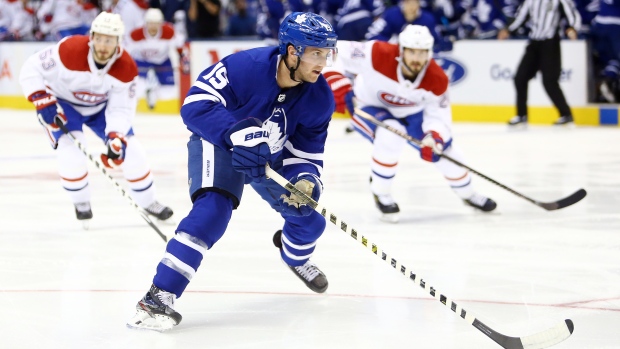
column 543, row 55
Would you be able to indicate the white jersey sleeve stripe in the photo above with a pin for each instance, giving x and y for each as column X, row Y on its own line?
column 293, row 161
column 200, row 97
column 302, row 154
column 211, row 90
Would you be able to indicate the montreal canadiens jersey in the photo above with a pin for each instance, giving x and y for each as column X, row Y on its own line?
column 243, row 85
column 68, row 71
column 379, row 82
column 153, row 49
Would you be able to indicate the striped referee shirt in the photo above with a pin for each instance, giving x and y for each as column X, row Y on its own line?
column 545, row 17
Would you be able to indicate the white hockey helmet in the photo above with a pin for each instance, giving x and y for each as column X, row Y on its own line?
column 418, row 37
column 153, row 15
column 108, row 24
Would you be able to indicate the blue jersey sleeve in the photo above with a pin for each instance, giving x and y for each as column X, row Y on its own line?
column 303, row 151
column 216, row 92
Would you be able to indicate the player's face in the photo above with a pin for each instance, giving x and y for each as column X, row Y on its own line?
column 104, row 47
column 313, row 60
column 153, row 28
column 415, row 59
column 410, row 7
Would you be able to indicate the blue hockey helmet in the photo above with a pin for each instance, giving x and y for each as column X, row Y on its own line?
column 303, row 29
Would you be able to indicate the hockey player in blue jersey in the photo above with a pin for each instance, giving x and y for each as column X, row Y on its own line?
column 279, row 118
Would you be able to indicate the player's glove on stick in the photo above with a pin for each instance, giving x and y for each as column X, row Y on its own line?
column 293, row 205
column 342, row 90
column 431, row 147
column 250, row 150
column 48, row 111
column 117, row 146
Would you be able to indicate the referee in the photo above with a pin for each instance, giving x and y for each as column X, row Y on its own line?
column 543, row 52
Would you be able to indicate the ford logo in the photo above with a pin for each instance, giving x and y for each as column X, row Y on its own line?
column 454, row 69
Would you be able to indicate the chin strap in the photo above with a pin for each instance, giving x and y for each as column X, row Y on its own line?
column 292, row 70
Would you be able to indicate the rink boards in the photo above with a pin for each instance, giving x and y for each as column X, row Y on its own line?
column 480, row 75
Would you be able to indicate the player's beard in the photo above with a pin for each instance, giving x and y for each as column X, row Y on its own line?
column 413, row 68
column 103, row 56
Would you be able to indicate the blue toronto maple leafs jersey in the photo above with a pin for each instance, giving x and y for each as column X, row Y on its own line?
column 244, row 85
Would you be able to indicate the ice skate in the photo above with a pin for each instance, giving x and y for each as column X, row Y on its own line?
column 150, row 99
column 309, row 273
column 159, row 211
column 84, row 214
column 566, row 121
column 155, row 311
column 517, row 122
column 390, row 212
column 481, row 202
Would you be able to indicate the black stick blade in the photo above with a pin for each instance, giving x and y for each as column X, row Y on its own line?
column 567, row 201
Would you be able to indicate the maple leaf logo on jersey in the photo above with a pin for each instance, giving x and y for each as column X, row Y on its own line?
column 276, row 126
column 394, row 101
column 89, row 97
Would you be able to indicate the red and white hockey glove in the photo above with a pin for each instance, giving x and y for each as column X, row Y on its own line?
column 431, row 147
column 342, row 90
column 117, row 145
column 48, row 111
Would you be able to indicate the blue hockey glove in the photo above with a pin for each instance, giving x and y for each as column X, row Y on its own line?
column 250, row 151
column 117, row 146
column 48, row 112
column 294, row 205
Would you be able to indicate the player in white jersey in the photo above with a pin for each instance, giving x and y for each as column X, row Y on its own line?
column 131, row 12
column 61, row 18
column 16, row 22
column 402, row 86
column 150, row 47
column 91, row 80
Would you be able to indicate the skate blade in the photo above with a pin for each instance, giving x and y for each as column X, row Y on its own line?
column 143, row 321
column 390, row 217
column 518, row 127
column 169, row 221
column 86, row 224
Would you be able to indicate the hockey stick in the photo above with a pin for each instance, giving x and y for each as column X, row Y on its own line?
column 549, row 206
column 544, row 339
column 116, row 185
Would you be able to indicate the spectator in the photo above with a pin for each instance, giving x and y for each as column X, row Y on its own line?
column 61, row 18
column 396, row 18
column 486, row 19
column 355, row 17
column 240, row 22
column 16, row 21
column 204, row 18
column 606, row 37
column 268, row 20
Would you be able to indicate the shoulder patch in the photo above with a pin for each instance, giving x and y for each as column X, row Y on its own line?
column 124, row 69
column 435, row 80
column 74, row 52
column 167, row 31
column 384, row 59
column 137, row 34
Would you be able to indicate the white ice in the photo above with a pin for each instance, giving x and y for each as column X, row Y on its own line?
column 519, row 270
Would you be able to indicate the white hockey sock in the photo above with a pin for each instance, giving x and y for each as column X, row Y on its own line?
column 138, row 174
column 458, row 177
column 72, row 168
column 386, row 151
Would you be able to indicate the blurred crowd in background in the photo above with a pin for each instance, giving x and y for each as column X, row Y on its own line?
column 358, row 20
